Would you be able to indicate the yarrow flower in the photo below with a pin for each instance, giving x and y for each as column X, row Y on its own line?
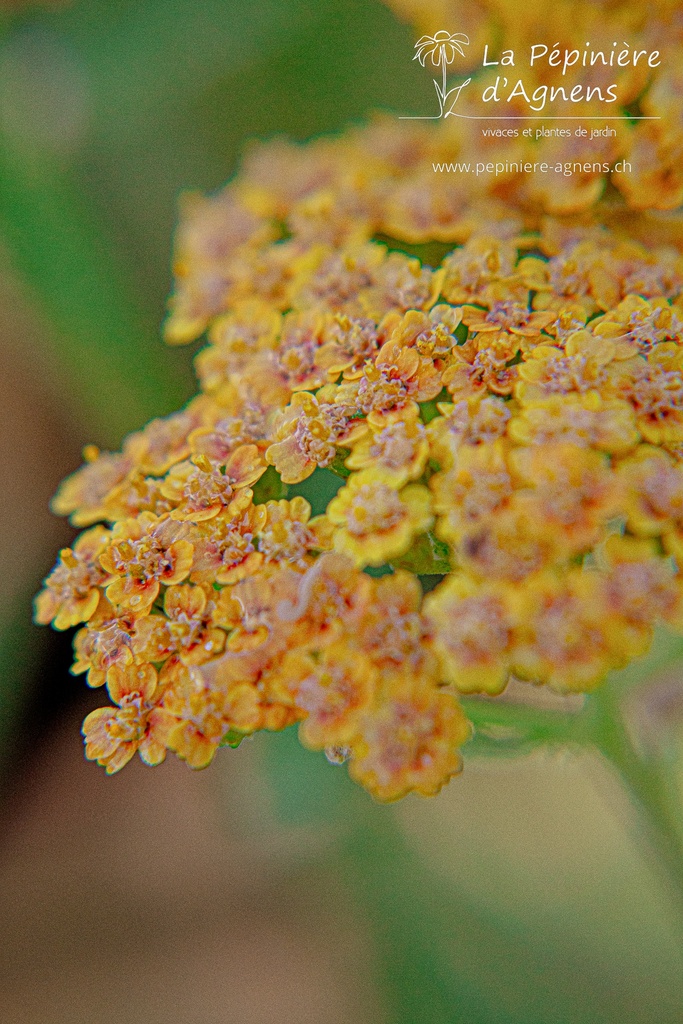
column 505, row 422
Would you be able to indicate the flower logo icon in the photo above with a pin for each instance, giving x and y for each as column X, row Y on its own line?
column 440, row 50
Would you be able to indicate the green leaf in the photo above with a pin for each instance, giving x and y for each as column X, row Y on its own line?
column 269, row 488
column 318, row 489
column 427, row 557
column 337, row 466
column 429, row 253
column 429, row 411
column 233, row 738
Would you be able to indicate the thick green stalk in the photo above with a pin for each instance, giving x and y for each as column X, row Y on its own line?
column 413, row 929
column 645, row 782
column 117, row 376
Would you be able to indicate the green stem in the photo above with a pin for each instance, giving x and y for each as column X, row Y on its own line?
column 415, row 926
column 509, row 729
column 643, row 780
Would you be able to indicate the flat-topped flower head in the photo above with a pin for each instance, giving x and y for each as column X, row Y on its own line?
column 490, row 436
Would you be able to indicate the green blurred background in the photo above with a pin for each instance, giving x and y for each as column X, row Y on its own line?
column 266, row 888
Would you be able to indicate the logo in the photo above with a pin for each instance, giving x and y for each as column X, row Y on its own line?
column 552, row 80
column 440, row 49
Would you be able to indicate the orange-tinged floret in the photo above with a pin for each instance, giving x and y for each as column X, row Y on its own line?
column 401, row 283
column 573, row 490
column 471, row 269
column 579, row 366
column 184, row 630
column 410, row 741
column 307, row 434
column 505, row 314
column 376, row 523
column 474, row 629
column 294, row 359
column 477, row 420
column 136, row 494
column 254, row 609
column 639, row 588
column 347, row 341
column 194, row 715
column 142, row 554
column 289, row 536
column 201, row 489
column 165, row 442
column 391, row 628
column 652, row 484
column 71, row 593
column 83, row 495
column 510, row 547
column 336, row 281
column 607, row 424
column 225, row 546
column 399, row 374
column 329, row 692
column 483, row 364
column 327, row 600
column 395, row 449
column 477, row 484
column 654, row 387
column 432, row 334
column 107, row 640
column 640, row 323
column 565, row 638
column 113, row 735
column 252, row 326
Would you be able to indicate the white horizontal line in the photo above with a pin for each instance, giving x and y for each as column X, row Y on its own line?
column 524, row 117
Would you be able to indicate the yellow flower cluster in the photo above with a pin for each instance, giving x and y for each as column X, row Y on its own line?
column 580, row 49
column 505, row 416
